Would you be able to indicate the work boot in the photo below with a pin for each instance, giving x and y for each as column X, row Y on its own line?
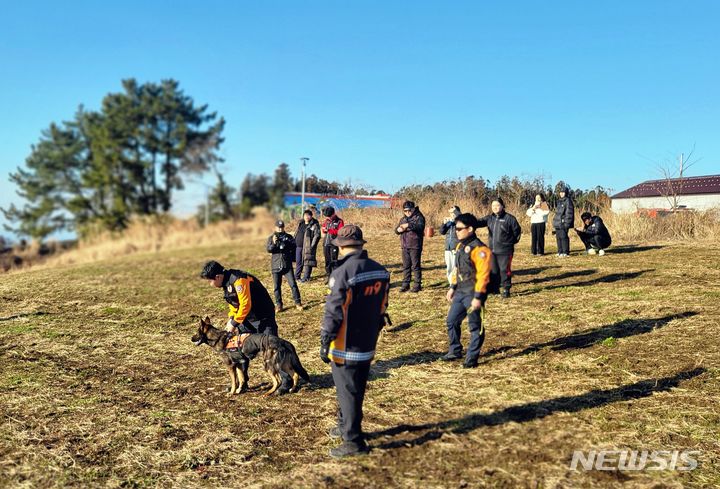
column 470, row 363
column 449, row 357
column 348, row 449
column 416, row 289
column 334, row 433
column 404, row 288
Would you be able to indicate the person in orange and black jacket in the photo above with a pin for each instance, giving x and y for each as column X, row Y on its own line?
column 354, row 315
column 251, row 309
column 411, row 229
column 468, row 291
column 330, row 227
column 504, row 232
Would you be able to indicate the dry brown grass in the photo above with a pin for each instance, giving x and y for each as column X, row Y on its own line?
column 100, row 385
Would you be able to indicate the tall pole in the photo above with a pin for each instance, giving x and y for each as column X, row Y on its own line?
column 302, row 194
column 207, row 206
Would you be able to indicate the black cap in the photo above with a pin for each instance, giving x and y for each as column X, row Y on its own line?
column 408, row 205
column 280, row 224
column 211, row 269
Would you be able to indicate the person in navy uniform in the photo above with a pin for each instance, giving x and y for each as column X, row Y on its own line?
column 354, row 315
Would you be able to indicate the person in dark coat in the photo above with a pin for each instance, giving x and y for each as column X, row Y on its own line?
column 448, row 230
column 310, row 244
column 330, row 227
column 354, row 316
column 282, row 247
column 594, row 235
column 504, row 232
column 411, row 229
column 563, row 221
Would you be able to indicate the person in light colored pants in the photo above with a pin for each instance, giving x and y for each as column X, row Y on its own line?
column 448, row 230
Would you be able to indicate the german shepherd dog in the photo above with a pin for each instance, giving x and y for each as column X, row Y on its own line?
column 280, row 359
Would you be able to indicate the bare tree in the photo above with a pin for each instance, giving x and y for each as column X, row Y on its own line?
column 674, row 176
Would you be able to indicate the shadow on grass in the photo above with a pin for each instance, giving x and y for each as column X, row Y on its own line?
column 381, row 368
column 621, row 329
column 25, row 314
column 531, row 411
column 533, row 271
column 607, row 279
column 562, row 276
column 633, row 248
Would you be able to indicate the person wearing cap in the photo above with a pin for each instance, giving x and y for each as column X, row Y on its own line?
column 282, row 247
column 468, row 291
column 503, row 232
column 564, row 220
column 448, row 230
column 354, row 316
column 307, row 237
column 251, row 309
column 594, row 235
column 411, row 229
column 330, row 227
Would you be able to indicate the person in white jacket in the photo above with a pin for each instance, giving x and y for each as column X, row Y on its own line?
column 538, row 214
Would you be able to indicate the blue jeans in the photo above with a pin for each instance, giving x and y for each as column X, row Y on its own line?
column 457, row 313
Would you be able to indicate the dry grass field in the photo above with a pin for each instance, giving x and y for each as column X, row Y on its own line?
column 101, row 386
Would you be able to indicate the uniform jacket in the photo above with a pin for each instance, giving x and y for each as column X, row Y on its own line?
column 283, row 251
column 564, row 214
column 472, row 268
column 330, row 226
column 412, row 237
column 355, row 308
column 504, row 231
column 247, row 297
column 310, row 242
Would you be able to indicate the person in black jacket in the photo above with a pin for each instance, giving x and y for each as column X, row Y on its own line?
column 282, row 247
column 448, row 230
column 251, row 309
column 594, row 235
column 504, row 232
column 411, row 229
column 563, row 221
column 354, row 316
column 310, row 239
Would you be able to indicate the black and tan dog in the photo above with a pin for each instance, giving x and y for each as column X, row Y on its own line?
column 280, row 359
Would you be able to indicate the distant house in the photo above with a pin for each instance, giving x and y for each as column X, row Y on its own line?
column 699, row 193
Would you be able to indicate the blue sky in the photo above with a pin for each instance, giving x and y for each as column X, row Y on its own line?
column 388, row 93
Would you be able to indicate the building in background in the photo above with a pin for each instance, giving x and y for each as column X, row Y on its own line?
column 696, row 193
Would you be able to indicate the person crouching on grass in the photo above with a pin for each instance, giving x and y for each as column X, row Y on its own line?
column 468, row 291
column 594, row 235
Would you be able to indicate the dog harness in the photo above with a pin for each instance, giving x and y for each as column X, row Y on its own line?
column 235, row 342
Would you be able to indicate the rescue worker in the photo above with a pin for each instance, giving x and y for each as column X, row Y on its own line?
column 503, row 233
column 282, row 247
column 594, row 235
column 468, row 291
column 354, row 316
column 411, row 229
column 251, row 309
column 330, row 227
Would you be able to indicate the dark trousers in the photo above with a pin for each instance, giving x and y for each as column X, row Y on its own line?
column 350, row 382
column 277, row 283
column 594, row 241
column 411, row 265
column 298, row 262
column 537, row 242
column 458, row 310
column 563, row 241
column 331, row 256
column 500, row 273
column 266, row 326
